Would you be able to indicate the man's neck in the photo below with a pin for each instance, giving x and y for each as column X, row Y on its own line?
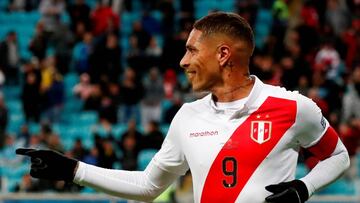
column 233, row 91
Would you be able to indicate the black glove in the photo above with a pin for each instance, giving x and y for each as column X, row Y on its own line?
column 294, row 191
column 48, row 164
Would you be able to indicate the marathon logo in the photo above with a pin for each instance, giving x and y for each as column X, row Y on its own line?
column 204, row 133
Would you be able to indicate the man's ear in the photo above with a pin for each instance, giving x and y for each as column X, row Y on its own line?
column 224, row 54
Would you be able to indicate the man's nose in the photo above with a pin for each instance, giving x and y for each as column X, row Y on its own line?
column 184, row 62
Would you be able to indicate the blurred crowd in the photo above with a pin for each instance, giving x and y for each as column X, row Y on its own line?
column 126, row 72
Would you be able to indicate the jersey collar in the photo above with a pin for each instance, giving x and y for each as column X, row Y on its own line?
column 249, row 104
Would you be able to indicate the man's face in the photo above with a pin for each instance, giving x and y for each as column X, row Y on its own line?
column 200, row 62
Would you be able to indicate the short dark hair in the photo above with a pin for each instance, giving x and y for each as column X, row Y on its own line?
column 230, row 24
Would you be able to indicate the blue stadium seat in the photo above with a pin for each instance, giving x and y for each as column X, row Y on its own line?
column 73, row 105
column 164, row 128
column 11, row 93
column 71, row 79
column 301, row 170
column 3, row 5
column 262, row 26
column 34, row 17
column 339, row 187
column 145, row 157
column 14, row 105
column 118, row 130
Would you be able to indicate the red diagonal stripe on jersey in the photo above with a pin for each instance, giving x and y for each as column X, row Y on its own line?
column 247, row 153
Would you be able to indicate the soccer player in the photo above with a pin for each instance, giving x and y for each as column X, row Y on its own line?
column 241, row 141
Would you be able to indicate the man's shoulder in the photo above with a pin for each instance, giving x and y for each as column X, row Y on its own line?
column 303, row 102
column 282, row 92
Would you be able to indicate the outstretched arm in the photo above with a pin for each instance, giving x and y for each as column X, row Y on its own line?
column 138, row 185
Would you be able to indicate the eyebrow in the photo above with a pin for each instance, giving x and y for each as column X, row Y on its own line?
column 190, row 47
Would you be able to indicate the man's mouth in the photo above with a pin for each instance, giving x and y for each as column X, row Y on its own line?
column 190, row 74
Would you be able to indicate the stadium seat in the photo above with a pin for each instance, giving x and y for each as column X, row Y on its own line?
column 11, row 93
column 301, row 170
column 339, row 187
column 145, row 157
column 164, row 128
column 118, row 130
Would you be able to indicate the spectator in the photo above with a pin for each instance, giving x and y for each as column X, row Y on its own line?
column 350, row 122
column 130, row 144
column 154, row 138
column 313, row 94
column 351, row 101
column 35, row 142
column 104, row 20
column 135, row 56
column 337, row 15
column 93, row 102
column 45, row 132
column 10, row 58
column 114, row 93
column 83, row 89
column 328, row 60
column 142, row 36
column 27, row 184
column 51, row 11
column 131, row 92
column 290, row 75
column 30, row 95
column 78, row 151
column 25, row 134
column 105, row 63
column 39, row 42
column 55, row 98
column 107, row 111
column 79, row 12
column 173, row 50
column 82, row 52
column 153, row 95
column 153, row 52
column 170, row 84
column 108, row 156
column 54, row 143
column 176, row 104
column 352, row 40
column 62, row 41
column 130, row 153
column 150, row 24
column 93, row 157
column 131, row 131
column 3, row 120
column 168, row 20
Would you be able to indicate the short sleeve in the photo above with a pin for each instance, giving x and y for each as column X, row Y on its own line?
column 171, row 157
column 311, row 123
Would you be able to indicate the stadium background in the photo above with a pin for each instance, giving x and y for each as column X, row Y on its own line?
column 79, row 78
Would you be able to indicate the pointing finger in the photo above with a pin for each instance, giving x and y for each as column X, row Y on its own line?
column 24, row 151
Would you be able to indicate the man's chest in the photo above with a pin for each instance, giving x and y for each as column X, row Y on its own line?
column 246, row 141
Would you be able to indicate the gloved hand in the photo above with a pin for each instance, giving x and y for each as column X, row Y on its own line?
column 48, row 164
column 294, row 191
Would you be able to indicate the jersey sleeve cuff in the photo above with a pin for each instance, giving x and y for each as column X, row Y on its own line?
column 309, row 186
column 80, row 173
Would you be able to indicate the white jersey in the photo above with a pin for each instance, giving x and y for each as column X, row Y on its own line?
column 233, row 153
column 232, row 158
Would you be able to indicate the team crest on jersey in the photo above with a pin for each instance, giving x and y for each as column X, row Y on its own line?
column 260, row 131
